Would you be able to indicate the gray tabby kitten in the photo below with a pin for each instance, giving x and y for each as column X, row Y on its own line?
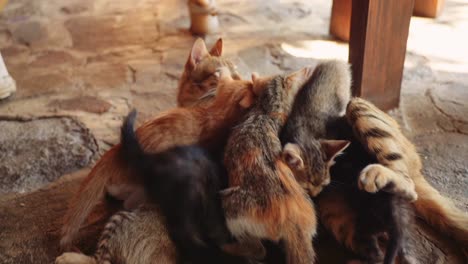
column 312, row 117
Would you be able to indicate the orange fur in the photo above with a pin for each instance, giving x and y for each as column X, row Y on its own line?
column 264, row 200
column 208, row 125
column 335, row 212
column 430, row 205
column 198, row 76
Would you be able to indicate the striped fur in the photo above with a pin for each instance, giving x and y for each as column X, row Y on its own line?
column 199, row 77
column 377, row 131
column 264, row 200
column 322, row 99
column 354, row 217
column 401, row 164
column 130, row 237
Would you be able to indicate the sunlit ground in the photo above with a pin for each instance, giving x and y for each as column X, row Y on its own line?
column 443, row 40
column 318, row 49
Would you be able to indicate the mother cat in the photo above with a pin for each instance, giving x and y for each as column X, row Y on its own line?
column 437, row 210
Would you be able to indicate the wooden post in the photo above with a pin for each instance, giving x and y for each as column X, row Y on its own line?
column 428, row 8
column 377, row 47
column 203, row 17
column 340, row 19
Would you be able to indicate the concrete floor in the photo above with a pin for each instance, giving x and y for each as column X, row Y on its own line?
column 96, row 59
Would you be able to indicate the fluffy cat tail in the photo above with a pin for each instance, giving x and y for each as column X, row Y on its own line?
column 441, row 213
column 128, row 140
column 93, row 188
column 91, row 192
column 400, row 225
column 298, row 248
column 132, row 151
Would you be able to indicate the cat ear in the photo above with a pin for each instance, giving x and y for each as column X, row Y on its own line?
column 292, row 156
column 255, row 76
column 217, row 49
column 333, row 148
column 259, row 83
column 298, row 79
column 247, row 100
column 197, row 53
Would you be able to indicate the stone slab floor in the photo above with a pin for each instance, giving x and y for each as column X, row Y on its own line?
column 94, row 60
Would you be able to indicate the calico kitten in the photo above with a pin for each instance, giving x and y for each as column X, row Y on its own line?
column 264, row 200
column 207, row 125
column 199, row 77
column 318, row 113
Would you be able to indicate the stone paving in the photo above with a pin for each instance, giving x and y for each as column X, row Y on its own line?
column 33, row 154
column 94, row 60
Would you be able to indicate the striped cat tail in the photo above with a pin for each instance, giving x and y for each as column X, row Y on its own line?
column 441, row 213
column 382, row 137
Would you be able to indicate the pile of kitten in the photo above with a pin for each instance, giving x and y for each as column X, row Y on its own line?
column 243, row 171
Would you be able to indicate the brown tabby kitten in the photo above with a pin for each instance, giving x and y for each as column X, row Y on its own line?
column 207, row 125
column 139, row 236
column 264, row 200
column 318, row 112
column 199, row 77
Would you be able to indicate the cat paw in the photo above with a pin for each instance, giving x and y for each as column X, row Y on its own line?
column 74, row 258
column 376, row 177
column 373, row 178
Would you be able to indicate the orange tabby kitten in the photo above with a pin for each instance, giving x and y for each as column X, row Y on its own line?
column 207, row 125
column 199, row 72
column 400, row 164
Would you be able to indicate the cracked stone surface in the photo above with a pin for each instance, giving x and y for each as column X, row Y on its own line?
column 94, row 60
column 36, row 152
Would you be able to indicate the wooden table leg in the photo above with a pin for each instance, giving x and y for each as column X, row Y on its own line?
column 428, row 8
column 377, row 47
column 340, row 19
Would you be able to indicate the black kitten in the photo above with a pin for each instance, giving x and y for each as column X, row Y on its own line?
column 373, row 214
column 185, row 183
